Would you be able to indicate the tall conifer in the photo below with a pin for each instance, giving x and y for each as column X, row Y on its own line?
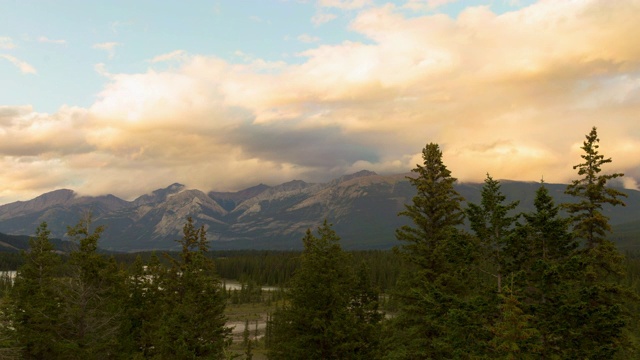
column 36, row 300
column 437, row 318
column 492, row 224
column 328, row 314
column 595, row 315
column 191, row 319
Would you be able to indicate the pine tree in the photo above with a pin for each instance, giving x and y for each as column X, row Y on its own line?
column 91, row 298
column 542, row 252
column 10, row 347
column 320, row 320
column 514, row 338
column 247, row 343
column 191, row 320
column 595, row 314
column 435, row 212
column 35, row 298
column 492, row 225
column 592, row 192
column 141, row 307
column 436, row 318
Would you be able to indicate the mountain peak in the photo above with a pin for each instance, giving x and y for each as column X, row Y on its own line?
column 55, row 197
column 44, row 201
column 358, row 174
column 159, row 195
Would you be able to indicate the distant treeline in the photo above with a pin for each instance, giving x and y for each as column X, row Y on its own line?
column 275, row 268
column 263, row 267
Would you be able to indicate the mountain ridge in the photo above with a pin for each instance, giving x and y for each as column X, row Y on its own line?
column 362, row 206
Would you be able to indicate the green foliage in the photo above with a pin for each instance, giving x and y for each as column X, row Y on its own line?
column 190, row 320
column 438, row 312
column 35, row 299
column 514, row 337
column 493, row 226
column 330, row 313
column 597, row 299
column 592, row 192
column 545, row 269
column 247, row 342
column 435, row 213
column 90, row 297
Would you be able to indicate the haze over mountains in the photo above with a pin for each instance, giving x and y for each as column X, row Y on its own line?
column 363, row 208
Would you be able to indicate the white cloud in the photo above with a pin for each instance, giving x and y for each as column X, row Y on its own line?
column 6, row 43
column 101, row 69
column 322, row 18
column 344, row 4
column 174, row 55
column 306, row 38
column 44, row 39
column 426, row 4
column 109, row 47
column 24, row 67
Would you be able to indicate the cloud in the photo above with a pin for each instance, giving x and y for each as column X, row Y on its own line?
column 344, row 4
column 6, row 43
column 511, row 94
column 322, row 18
column 426, row 4
column 174, row 55
column 101, row 69
column 306, row 38
column 24, row 67
column 109, row 47
column 117, row 25
column 44, row 39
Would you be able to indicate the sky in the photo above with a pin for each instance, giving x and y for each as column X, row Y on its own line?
column 125, row 97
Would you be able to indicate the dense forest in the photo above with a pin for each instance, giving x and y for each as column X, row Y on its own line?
column 549, row 284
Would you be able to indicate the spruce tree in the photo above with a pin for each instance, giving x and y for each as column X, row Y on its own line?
column 514, row 336
column 437, row 317
column 435, row 213
column 91, row 298
column 191, row 320
column 542, row 253
column 492, row 224
column 247, row 343
column 595, row 315
column 35, row 298
column 326, row 315
column 590, row 224
column 141, row 307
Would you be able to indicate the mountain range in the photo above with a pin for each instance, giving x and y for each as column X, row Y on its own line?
column 363, row 208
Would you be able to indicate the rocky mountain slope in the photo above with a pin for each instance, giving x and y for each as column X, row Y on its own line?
column 363, row 208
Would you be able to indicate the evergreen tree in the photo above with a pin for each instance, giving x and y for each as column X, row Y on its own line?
column 191, row 321
column 141, row 307
column 35, row 298
column 91, row 298
column 325, row 316
column 10, row 347
column 438, row 318
column 365, row 308
column 246, row 341
column 595, row 314
column 514, row 337
column 592, row 192
column 544, row 263
column 493, row 226
column 435, row 212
